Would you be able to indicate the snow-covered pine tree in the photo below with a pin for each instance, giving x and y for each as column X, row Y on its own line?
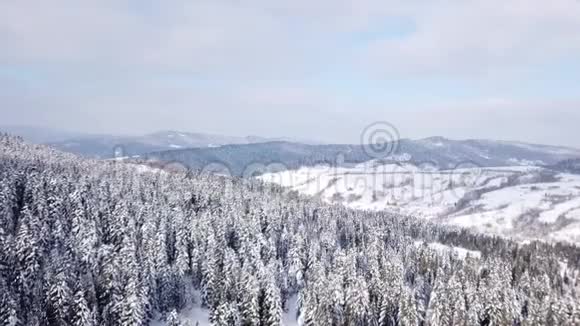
column 210, row 269
column 407, row 310
column 248, row 299
column 555, row 311
column 129, row 238
column 8, row 310
column 59, row 300
column 81, row 313
column 441, row 305
column 459, row 314
column 271, row 308
column 221, row 315
column 132, row 312
column 357, row 301
column 173, row 319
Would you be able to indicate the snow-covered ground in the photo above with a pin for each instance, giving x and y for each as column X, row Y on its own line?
column 525, row 202
column 461, row 253
column 192, row 315
column 195, row 315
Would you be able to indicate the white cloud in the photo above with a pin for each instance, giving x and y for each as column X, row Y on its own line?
column 290, row 38
column 202, row 36
column 269, row 63
column 482, row 37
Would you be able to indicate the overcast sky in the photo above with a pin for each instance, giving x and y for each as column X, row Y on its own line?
column 322, row 69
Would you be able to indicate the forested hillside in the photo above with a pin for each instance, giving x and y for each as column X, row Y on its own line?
column 523, row 203
column 247, row 159
column 106, row 243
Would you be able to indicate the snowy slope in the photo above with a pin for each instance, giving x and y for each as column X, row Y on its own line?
column 523, row 202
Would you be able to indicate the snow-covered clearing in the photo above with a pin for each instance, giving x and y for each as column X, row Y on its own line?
column 527, row 202
column 195, row 315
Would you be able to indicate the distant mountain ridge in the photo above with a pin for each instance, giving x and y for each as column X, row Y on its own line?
column 197, row 150
column 104, row 146
column 486, row 152
column 567, row 166
column 439, row 152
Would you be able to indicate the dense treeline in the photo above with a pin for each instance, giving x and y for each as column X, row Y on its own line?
column 247, row 160
column 104, row 243
column 567, row 166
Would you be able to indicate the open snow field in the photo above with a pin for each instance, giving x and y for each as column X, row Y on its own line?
column 523, row 202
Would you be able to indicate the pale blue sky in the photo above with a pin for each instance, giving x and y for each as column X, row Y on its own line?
column 505, row 69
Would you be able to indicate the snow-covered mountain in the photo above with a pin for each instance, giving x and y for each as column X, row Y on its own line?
column 104, row 146
column 447, row 153
column 108, row 146
column 193, row 149
column 435, row 152
column 520, row 202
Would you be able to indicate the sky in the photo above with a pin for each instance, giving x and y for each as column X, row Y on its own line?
column 320, row 70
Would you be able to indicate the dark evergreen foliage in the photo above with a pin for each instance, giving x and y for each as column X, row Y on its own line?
column 106, row 243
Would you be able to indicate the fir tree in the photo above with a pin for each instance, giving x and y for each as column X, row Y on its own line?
column 81, row 313
column 138, row 244
column 271, row 309
column 407, row 310
column 173, row 319
column 249, row 309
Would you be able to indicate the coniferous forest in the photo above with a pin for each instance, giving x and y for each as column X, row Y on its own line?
column 106, row 243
